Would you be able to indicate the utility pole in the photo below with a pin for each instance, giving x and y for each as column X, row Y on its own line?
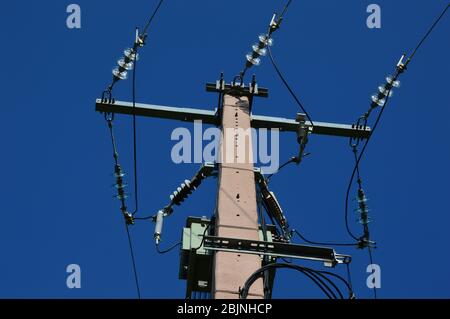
column 237, row 225
column 237, row 215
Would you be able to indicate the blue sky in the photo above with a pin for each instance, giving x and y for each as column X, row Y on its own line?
column 56, row 161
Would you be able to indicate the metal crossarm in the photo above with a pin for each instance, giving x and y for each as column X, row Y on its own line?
column 211, row 117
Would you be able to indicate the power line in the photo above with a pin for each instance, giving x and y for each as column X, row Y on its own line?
column 277, row 69
column 317, row 274
column 133, row 262
column 398, row 72
column 427, row 35
column 265, row 41
column 321, row 284
column 285, row 8
column 136, row 190
column 356, row 167
column 122, row 196
column 144, row 35
column 147, row 25
column 139, row 41
column 319, row 243
column 340, row 278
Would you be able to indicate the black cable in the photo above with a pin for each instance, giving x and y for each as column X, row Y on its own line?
column 271, row 29
column 136, row 190
column 144, row 218
column 109, row 119
column 136, row 196
column 319, row 282
column 134, row 151
column 306, row 271
column 287, row 85
column 139, row 42
column 152, row 17
column 291, row 160
column 286, row 260
column 203, row 236
column 427, row 35
column 316, row 274
column 133, row 262
column 168, row 249
column 285, row 8
column 318, row 243
column 349, row 277
column 113, row 141
column 349, row 287
column 267, row 290
column 356, row 167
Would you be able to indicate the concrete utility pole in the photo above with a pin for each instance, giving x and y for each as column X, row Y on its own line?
column 237, row 215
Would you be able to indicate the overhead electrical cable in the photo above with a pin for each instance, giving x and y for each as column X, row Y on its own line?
column 129, row 61
column 383, row 107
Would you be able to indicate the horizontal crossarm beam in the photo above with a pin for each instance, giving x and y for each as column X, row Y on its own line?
column 321, row 128
column 158, row 111
column 210, row 117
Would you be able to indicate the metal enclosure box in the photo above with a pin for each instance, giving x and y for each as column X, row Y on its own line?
column 196, row 262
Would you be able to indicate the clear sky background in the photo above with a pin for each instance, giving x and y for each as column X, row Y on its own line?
column 56, row 160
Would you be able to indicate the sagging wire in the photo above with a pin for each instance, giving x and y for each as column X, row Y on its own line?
column 302, row 139
column 165, row 251
column 385, row 92
column 377, row 100
column 126, row 63
column 290, row 161
column 139, row 42
column 136, row 278
column 295, row 231
column 136, row 190
column 315, row 275
column 304, row 129
column 121, row 195
column 288, row 87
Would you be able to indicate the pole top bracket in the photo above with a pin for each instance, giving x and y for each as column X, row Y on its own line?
column 237, row 87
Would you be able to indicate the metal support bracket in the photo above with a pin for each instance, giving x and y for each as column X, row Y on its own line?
column 240, row 89
column 274, row 249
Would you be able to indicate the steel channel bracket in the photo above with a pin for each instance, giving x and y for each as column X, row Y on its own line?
column 274, row 249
